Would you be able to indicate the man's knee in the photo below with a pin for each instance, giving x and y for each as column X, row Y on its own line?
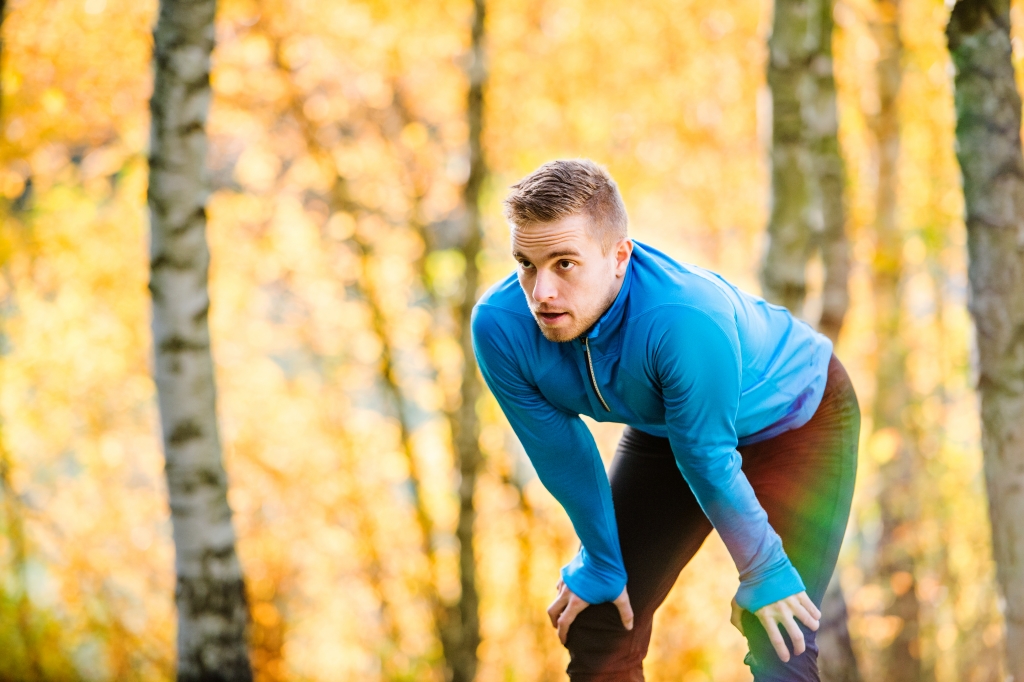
column 768, row 668
column 764, row 662
column 602, row 650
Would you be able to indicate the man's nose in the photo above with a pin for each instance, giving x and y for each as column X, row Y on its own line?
column 544, row 287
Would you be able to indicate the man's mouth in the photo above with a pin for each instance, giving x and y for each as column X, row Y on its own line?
column 551, row 318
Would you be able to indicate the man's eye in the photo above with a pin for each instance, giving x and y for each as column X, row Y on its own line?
column 565, row 264
column 526, row 263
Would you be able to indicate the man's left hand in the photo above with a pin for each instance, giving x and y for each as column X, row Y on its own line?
column 784, row 612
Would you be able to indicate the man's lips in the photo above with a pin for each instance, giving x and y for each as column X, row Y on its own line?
column 551, row 317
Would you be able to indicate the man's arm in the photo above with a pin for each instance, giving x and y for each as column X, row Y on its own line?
column 697, row 361
column 565, row 456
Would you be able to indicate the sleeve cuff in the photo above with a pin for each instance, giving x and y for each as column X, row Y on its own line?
column 590, row 584
column 775, row 585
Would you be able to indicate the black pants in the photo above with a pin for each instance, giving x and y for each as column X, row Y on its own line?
column 804, row 480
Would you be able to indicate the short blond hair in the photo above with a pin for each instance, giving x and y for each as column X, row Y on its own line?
column 565, row 187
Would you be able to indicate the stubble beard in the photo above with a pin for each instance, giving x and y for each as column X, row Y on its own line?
column 574, row 331
column 562, row 334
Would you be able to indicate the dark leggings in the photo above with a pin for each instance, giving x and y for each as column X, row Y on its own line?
column 804, row 480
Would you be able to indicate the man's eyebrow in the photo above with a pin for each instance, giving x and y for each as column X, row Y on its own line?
column 550, row 256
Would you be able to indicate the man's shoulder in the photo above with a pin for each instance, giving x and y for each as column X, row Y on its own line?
column 669, row 288
column 503, row 309
column 504, row 299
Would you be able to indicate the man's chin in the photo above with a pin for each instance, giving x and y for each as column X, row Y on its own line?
column 558, row 334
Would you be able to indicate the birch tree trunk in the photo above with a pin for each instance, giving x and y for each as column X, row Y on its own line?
column 896, row 566
column 807, row 171
column 210, row 595
column 836, row 660
column 465, row 426
column 807, row 214
column 988, row 112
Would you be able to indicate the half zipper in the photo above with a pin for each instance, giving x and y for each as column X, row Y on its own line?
column 593, row 377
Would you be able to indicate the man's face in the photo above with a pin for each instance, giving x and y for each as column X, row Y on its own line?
column 568, row 279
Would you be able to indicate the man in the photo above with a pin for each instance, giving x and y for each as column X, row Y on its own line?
column 738, row 416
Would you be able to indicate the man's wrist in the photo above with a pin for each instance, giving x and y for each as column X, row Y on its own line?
column 590, row 584
column 781, row 582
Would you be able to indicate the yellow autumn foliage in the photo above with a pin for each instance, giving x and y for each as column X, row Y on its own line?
column 669, row 94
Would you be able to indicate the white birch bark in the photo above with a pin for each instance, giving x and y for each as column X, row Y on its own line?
column 807, row 213
column 807, row 170
column 988, row 113
column 210, row 594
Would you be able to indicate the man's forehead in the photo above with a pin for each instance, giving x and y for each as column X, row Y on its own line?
column 562, row 235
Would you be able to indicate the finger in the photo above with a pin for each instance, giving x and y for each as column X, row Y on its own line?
column 803, row 616
column 558, row 587
column 806, row 602
column 796, row 635
column 775, row 637
column 558, row 606
column 625, row 609
column 736, row 615
column 568, row 616
column 736, row 618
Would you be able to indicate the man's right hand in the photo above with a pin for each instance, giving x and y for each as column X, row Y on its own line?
column 567, row 606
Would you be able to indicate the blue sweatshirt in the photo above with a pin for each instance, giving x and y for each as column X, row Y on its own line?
column 683, row 354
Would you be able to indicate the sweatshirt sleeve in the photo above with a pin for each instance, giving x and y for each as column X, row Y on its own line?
column 697, row 361
column 565, row 456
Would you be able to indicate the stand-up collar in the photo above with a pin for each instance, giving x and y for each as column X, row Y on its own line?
column 608, row 324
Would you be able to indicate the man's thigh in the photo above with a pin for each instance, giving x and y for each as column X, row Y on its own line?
column 661, row 527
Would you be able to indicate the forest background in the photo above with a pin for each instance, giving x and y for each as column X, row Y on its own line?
column 339, row 152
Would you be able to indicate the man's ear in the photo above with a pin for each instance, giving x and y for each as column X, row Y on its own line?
column 623, row 250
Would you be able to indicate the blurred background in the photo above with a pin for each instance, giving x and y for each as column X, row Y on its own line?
column 339, row 154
